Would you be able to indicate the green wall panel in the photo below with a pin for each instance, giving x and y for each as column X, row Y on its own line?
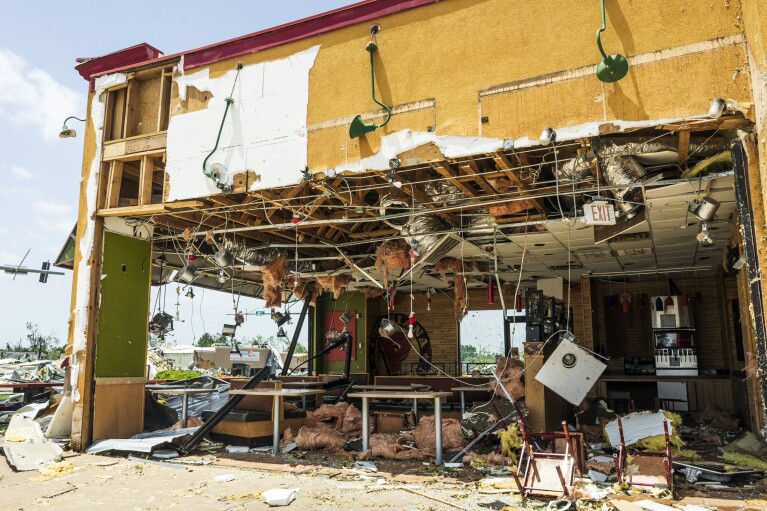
column 124, row 310
column 348, row 301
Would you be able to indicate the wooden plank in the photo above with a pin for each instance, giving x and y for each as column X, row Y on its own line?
column 683, row 148
column 113, row 184
column 470, row 167
column 82, row 415
column 145, row 181
column 136, row 146
column 444, row 169
column 151, row 209
column 131, row 108
column 504, row 163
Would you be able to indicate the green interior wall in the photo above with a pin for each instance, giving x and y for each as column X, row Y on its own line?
column 347, row 301
column 123, row 313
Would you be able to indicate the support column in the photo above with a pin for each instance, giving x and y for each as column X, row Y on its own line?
column 751, row 213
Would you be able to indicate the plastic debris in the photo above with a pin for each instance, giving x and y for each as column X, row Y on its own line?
column 277, row 497
column 365, row 465
column 224, row 478
column 237, row 448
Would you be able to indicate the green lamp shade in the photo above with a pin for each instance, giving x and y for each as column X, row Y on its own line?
column 612, row 68
column 358, row 127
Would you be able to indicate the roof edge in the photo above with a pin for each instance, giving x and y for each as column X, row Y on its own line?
column 359, row 12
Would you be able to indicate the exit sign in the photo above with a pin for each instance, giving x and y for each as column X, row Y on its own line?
column 599, row 213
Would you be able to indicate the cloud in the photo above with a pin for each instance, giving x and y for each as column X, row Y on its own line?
column 21, row 172
column 51, row 208
column 30, row 96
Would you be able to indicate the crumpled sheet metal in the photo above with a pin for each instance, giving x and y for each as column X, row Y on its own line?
column 144, row 442
column 25, row 446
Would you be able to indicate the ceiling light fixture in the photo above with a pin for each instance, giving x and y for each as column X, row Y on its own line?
column 717, row 108
column 67, row 132
column 187, row 273
column 548, row 135
column 281, row 318
column 223, row 258
column 704, row 208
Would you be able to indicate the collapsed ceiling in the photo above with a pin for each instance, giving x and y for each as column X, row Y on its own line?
column 485, row 211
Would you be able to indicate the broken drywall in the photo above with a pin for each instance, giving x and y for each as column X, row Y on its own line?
column 264, row 132
column 450, row 146
column 85, row 241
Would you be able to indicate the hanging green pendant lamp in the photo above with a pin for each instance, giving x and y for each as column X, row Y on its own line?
column 613, row 67
column 359, row 127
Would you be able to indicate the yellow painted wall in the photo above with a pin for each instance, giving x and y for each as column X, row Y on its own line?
column 450, row 51
column 89, row 152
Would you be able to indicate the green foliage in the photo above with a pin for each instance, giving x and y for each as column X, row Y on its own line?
column 206, row 340
column 176, row 374
column 470, row 353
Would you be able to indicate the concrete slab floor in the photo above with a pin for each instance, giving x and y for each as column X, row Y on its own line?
column 114, row 484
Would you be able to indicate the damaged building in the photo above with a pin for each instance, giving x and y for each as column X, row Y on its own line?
column 612, row 202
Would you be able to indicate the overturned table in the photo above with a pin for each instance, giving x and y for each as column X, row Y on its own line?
column 415, row 395
column 278, row 395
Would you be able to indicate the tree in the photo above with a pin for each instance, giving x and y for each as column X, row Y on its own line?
column 42, row 345
column 468, row 352
column 206, row 340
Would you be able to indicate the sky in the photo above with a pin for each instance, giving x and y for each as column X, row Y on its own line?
column 40, row 172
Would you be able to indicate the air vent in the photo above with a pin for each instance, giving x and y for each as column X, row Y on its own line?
column 564, row 267
column 634, row 236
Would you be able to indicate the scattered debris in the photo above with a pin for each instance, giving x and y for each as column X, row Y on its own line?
column 224, row 478
column 277, row 497
column 717, row 418
column 25, row 446
column 365, row 465
column 749, row 450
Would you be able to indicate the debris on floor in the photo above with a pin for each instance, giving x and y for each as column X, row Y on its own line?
column 280, row 496
column 25, row 446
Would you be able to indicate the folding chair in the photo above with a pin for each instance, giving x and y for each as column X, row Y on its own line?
column 655, row 462
column 546, row 474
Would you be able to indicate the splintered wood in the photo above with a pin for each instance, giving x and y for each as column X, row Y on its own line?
column 392, row 255
column 274, row 276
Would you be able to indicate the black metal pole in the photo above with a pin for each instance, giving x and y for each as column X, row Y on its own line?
column 746, row 219
column 222, row 412
column 294, row 341
column 348, row 359
column 310, row 342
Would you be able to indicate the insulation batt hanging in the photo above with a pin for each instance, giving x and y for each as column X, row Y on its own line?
column 619, row 167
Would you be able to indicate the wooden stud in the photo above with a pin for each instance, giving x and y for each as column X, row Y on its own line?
column 503, row 163
column 684, row 148
column 113, row 184
column 145, row 181
column 470, row 167
column 444, row 169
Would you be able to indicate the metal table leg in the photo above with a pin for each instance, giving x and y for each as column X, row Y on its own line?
column 184, row 408
column 415, row 411
column 276, row 420
column 303, row 402
column 438, row 428
column 463, row 403
column 365, row 425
